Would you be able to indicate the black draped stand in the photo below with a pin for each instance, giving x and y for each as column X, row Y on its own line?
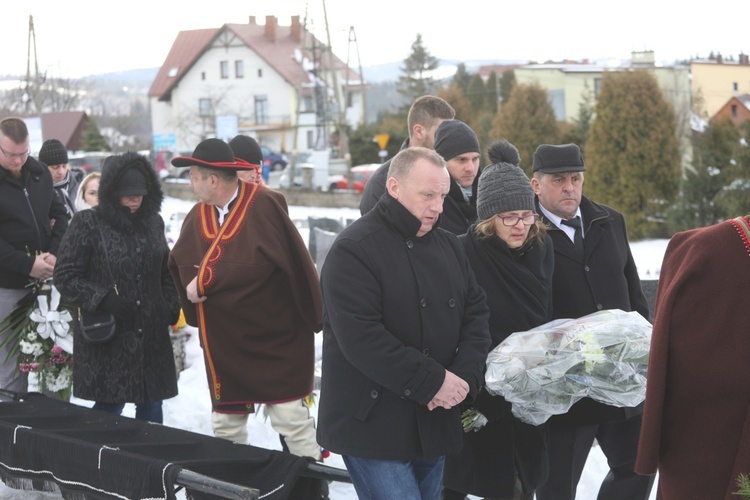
column 49, row 444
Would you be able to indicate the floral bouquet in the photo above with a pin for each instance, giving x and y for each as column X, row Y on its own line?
column 545, row 370
column 41, row 328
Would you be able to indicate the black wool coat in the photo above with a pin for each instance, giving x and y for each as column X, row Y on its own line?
column 398, row 311
column 140, row 358
column 28, row 224
column 606, row 278
column 458, row 212
column 518, row 284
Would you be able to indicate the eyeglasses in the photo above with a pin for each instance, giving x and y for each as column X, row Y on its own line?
column 20, row 156
column 512, row 220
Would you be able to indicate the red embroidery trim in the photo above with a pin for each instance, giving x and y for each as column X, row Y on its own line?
column 743, row 229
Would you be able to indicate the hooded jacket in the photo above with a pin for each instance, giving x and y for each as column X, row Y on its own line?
column 140, row 357
column 28, row 224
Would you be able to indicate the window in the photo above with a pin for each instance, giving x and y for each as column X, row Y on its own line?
column 224, row 69
column 310, row 139
column 260, row 73
column 205, row 108
column 239, row 68
column 261, row 109
column 735, row 86
column 307, row 103
column 349, row 100
column 734, row 111
column 203, row 75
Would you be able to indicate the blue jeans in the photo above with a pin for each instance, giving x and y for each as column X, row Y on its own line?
column 148, row 410
column 419, row 479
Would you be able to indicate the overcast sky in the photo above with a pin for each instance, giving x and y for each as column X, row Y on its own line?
column 80, row 37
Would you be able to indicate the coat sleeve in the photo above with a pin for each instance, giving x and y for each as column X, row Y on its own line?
column 352, row 294
column 474, row 343
column 667, row 291
column 59, row 215
column 73, row 260
column 638, row 301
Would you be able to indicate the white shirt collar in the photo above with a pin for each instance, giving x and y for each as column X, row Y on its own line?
column 557, row 221
column 223, row 211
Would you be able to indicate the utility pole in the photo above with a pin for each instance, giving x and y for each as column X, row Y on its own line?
column 32, row 88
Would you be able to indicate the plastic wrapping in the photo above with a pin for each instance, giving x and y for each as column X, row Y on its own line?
column 544, row 371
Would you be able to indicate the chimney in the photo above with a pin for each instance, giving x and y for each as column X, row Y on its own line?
column 270, row 27
column 295, row 29
column 744, row 60
column 251, row 20
column 719, row 59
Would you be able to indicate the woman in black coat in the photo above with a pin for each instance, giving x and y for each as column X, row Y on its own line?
column 512, row 258
column 137, row 365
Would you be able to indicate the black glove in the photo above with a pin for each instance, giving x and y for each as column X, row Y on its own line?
column 120, row 307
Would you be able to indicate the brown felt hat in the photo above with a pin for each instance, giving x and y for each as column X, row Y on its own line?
column 212, row 153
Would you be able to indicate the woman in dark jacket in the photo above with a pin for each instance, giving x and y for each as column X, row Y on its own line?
column 137, row 365
column 512, row 258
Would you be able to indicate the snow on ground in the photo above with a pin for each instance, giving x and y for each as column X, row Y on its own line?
column 191, row 408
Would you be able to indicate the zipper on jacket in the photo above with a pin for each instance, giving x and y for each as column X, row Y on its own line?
column 33, row 216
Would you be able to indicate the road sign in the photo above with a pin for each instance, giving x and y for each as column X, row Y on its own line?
column 382, row 140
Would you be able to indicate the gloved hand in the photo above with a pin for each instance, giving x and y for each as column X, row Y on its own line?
column 120, row 307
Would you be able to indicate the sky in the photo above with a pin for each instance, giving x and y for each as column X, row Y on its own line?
column 75, row 38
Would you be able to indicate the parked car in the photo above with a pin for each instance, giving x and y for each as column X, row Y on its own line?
column 360, row 175
column 273, row 161
column 88, row 162
column 303, row 161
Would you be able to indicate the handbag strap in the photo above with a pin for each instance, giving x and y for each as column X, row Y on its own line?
column 106, row 254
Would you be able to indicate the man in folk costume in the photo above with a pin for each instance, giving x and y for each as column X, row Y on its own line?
column 247, row 281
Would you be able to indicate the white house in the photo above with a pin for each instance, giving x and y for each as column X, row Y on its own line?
column 256, row 80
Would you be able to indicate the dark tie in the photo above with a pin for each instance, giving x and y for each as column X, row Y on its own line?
column 575, row 223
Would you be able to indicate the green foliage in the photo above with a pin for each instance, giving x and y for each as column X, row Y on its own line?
column 583, row 120
column 704, row 196
column 364, row 149
column 477, row 94
column 462, row 78
column 507, row 82
column 526, row 120
column 632, row 158
column 492, row 93
column 92, row 139
column 743, row 483
column 415, row 80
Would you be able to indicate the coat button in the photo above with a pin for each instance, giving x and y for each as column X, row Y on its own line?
column 599, row 307
column 586, row 268
column 426, row 352
column 451, row 303
column 409, row 244
column 374, row 394
column 138, row 277
column 423, row 302
column 137, row 302
column 138, row 250
column 407, row 392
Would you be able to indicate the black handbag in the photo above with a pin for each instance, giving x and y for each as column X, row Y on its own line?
column 98, row 327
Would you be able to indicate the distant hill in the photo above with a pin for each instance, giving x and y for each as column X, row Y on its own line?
column 132, row 75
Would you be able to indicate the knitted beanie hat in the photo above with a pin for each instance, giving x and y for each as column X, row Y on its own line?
column 53, row 153
column 453, row 138
column 503, row 186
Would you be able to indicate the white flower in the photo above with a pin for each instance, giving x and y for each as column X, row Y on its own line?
column 51, row 323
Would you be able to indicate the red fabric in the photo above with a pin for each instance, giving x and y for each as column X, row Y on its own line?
column 696, row 423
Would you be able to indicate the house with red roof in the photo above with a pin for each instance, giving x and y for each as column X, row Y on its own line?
column 275, row 83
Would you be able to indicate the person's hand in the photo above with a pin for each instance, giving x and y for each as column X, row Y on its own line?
column 192, row 292
column 119, row 306
column 451, row 393
column 50, row 259
column 42, row 269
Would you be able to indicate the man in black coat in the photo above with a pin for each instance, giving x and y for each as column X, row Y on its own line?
column 425, row 114
column 405, row 337
column 457, row 143
column 594, row 270
column 32, row 223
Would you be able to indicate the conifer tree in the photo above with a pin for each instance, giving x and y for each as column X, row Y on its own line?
column 526, row 120
column 92, row 138
column 416, row 79
column 632, row 158
column 477, row 94
column 507, row 82
column 492, row 89
column 462, row 78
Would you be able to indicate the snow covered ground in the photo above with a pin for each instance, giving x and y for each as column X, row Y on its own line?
column 191, row 408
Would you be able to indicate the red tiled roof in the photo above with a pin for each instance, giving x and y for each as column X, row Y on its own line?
column 278, row 52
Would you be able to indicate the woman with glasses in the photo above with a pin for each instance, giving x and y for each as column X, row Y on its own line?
column 512, row 258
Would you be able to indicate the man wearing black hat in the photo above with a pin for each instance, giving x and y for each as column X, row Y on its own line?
column 594, row 270
column 32, row 224
column 247, row 149
column 247, row 281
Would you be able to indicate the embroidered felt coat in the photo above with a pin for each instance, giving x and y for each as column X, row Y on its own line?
column 140, row 357
column 264, row 306
column 696, row 420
